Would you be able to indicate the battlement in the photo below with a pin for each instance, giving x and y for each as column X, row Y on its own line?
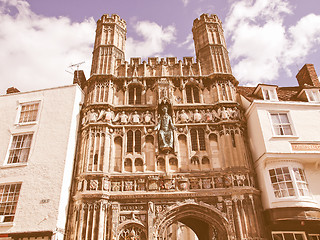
column 153, row 66
column 114, row 18
column 153, row 61
column 206, row 18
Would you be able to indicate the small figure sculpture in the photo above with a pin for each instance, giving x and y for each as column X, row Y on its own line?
column 106, row 115
column 183, row 117
column 197, row 116
column 109, row 115
column 122, row 117
column 92, row 116
column 215, row 115
column 148, row 118
column 224, row 115
column 165, row 128
column 208, row 116
column 134, row 118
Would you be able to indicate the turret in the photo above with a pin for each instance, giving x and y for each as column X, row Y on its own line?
column 210, row 45
column 109, row 44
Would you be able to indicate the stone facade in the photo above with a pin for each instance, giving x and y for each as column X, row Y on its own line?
column 162, row 144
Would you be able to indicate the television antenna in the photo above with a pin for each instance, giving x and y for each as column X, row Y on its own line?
column 74, row 65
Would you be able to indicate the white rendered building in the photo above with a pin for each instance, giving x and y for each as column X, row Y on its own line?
column 38, row 132
column 284, row 136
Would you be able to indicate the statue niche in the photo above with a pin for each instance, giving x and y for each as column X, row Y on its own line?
column 165, row 129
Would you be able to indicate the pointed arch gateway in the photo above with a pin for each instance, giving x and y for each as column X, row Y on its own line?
column 205, row 221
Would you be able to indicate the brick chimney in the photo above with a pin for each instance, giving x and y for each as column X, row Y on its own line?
column 12, row 90
column 307, row 75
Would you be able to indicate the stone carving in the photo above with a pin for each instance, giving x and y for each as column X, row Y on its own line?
column 227, row 181
column 194, row 183
column 116, row 186
column 134, row 118
column 182, row 117
column 132, row 233
column 223, row 113
column 165, row 131
column 122, row 118
column 218, row 182
column 206, row 183
column 128, row 186
column 94, row 184
column 106, row 115
column 197, row 117
column 106, row 184
column 148, row 118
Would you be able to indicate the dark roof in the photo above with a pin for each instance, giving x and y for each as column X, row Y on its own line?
column 284, row 93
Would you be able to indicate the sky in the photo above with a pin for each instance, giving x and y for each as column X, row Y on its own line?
column 268, row 40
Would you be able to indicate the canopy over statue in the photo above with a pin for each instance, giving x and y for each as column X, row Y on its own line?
column 165, row 130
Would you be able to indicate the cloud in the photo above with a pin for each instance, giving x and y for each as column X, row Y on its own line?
column 154, row 39
column 36, row 50
column 261, row 45
column 185, row 2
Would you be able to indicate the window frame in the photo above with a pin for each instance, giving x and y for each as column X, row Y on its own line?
column 293, row 179
column 7, row 163
column 192, row 96
column 290, row 123
column 20, row 107
column 198, row 141
column 133, row 89
column 288, row 232
column 317, row 235
column 269, row 93
column 14, row 204
column 136, row 140
column 314, row 93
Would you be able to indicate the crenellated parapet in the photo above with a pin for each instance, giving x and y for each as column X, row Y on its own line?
column 114, row 18
column 155, row 67
column 206, row 18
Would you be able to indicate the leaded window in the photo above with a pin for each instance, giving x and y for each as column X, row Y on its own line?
column 288, row 181
column 134, row 141
column 192, row 93
column 197, row 140
column 135, row 95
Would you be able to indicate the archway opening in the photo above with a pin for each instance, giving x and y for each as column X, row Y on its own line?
column 190, row 228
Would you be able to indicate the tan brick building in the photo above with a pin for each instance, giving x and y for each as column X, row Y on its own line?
column 162, row 150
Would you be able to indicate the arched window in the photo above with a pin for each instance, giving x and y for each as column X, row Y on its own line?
column 130, row 141
column 173, row 163
column 205, row 160
column 195, row 160
column 160, row 164
column 197, row 140
column 134, row 141
column 192, row 93
column 135, row 95
column 137, row 141
column 138, row 163
column 128, row 165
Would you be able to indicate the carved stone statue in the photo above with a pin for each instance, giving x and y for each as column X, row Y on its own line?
column 165, row 131
column 148, row 118
column 106, row 116
column 134, row 118
column 197, row 117
column 92, row 116
column 122, row 117
column 182, row 117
